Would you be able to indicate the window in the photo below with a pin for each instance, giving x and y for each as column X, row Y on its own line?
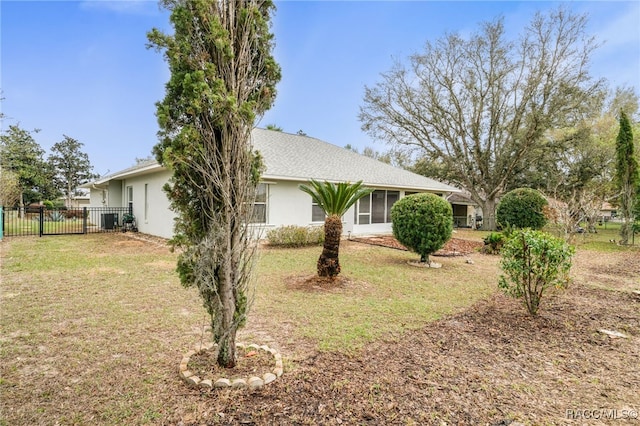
column 146, row 202
column 317, row 214
column 363, row 212
column 392, row 197
column 130, row 198
column 260, row 205
column 376, row 207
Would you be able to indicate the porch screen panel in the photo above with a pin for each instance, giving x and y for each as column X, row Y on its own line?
column 378, row 206
column 392, row 197
column 364, row 210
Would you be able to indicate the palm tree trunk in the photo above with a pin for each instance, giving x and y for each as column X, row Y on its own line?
column 328, row 263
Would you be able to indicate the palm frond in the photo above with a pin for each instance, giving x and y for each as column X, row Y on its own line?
column 335, row 199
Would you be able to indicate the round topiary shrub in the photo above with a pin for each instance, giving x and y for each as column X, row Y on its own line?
column 422, row 223
column 522, row 208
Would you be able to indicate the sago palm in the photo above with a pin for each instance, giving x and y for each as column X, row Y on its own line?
column 334, row 200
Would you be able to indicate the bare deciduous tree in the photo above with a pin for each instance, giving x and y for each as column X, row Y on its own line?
column 475, row 107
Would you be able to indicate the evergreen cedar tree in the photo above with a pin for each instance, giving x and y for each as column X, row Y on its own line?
column 334, row 199
column 627, row 177
column 422, row 223
column 223, row 77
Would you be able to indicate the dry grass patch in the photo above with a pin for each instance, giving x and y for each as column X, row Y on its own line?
column 93, row 328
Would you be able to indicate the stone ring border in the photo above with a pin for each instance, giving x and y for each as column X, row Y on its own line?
column 253, row 382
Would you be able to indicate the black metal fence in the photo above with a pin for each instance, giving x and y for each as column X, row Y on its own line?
column 60, row 221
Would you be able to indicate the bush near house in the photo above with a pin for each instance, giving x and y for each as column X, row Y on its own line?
column 296, row 236
column 493, row 243
column 522, row 208
column 422, row 223
column 533, row 261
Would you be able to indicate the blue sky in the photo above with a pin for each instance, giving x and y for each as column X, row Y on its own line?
column 80, row 68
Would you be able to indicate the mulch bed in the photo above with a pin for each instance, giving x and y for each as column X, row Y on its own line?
column 453, row 247
column 489, row 365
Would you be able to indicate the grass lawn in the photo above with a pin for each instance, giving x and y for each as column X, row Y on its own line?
column 93, row 328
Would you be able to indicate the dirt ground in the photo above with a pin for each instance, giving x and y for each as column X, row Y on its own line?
column 453, row 247
column 489, row 365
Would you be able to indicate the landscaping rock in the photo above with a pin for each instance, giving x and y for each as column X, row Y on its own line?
column 255, row 383
column 239, row 383
column 613, row 334
column 206, row 383
column 185, row 374
column 193, row 381
column 268, row 378
column 222, row 383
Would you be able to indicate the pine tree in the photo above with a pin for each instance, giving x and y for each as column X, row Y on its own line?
column 72, row 166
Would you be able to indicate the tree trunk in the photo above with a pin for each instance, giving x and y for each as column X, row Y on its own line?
column 227, row 349
column 226, row 326
column 489, row 215
column 626, row 207
column 21, row 205
column 328, row 263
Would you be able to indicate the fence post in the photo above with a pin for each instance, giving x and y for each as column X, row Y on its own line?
column 41, row 220
column 84, row 220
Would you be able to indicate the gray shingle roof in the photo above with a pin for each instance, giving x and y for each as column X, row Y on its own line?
column 300, row 158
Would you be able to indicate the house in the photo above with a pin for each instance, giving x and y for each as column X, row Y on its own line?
column 77, row 201
column 607, row 212
column 290, row 160
column 466, row 212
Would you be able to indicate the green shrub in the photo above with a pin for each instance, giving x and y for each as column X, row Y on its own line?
column 56, row 216
column 422, row 223
column 522, row 208
column 493, row 243
column 296, row 236
column 48, row 204
column 533, row 261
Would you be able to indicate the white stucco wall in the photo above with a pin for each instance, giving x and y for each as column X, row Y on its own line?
column 114, row 194
column 159, row 218
column 286, row 205
column 97, row 197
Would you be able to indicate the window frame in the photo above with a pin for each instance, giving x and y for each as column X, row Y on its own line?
column 366, row 217
column 315, row 205
column 129, row 191
column 264, row 203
